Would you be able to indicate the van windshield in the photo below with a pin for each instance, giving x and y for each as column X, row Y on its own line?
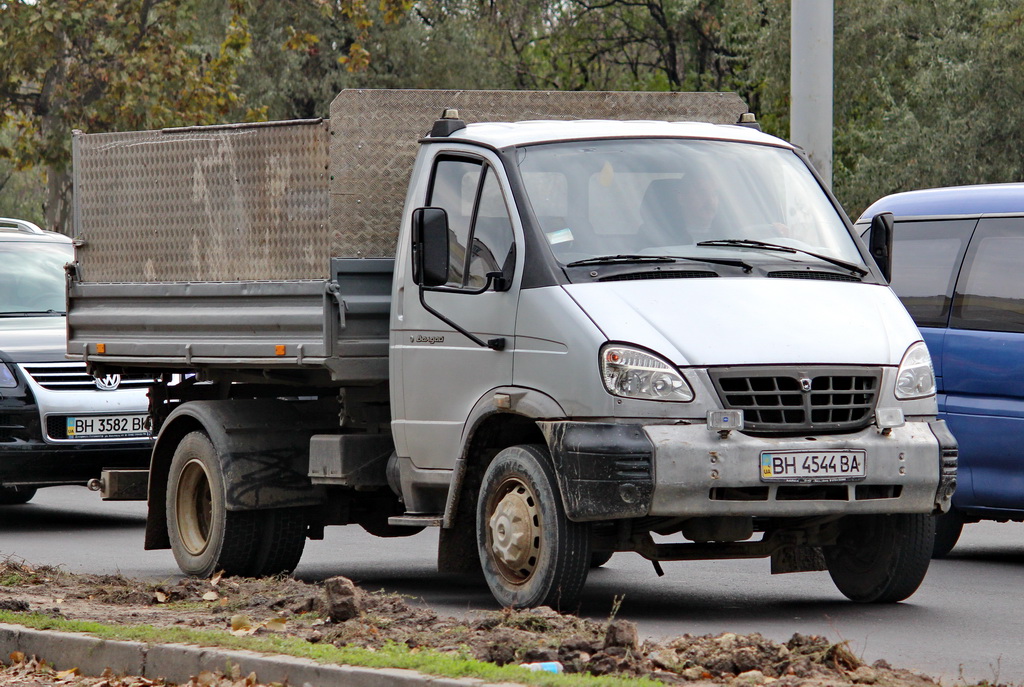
column 32, row 278
column 668, row 196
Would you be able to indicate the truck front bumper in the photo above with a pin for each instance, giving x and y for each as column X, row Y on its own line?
column 609, row 471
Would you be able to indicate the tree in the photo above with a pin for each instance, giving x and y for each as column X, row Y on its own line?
column 940, row 103
column 923, row 93
column 612, row 44
column 105, row 65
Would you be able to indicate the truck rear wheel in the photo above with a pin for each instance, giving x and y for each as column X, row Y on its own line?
column 881, row 558
column 205, row 535
column 530, row 552
column 280, row 539
column 15, row 496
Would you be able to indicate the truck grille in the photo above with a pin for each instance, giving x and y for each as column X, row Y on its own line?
column 790, row 401
column 72, row 376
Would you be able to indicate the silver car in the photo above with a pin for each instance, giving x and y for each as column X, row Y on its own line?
column 58, row 424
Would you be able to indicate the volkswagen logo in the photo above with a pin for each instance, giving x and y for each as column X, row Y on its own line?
column 108, row 382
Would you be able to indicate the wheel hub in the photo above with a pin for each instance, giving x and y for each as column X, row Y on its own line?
column 194, row 507
column 515, row 532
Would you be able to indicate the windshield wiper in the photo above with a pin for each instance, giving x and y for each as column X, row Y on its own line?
column 32, row 313
column 764, row 245
column 614, row 259
column 611, row 259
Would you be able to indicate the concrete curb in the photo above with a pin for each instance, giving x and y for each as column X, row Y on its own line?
column 179, row 662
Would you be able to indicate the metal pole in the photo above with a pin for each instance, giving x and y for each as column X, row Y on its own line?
column 810, row 118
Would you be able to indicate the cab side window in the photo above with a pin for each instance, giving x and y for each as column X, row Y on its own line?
column 990, row 293
column 926, row 260
column 480, row 238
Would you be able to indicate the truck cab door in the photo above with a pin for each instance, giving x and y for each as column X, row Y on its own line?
column 442, row 372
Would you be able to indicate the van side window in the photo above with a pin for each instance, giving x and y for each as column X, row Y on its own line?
column 926, row 259
column 990, row 293
column 480, row 237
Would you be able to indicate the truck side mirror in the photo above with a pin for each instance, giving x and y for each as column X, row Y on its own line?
column 430, row 246
column 880, row 242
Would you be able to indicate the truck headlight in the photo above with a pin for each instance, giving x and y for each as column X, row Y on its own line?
column 7, row 378
column 915, row 378
column 634, row 373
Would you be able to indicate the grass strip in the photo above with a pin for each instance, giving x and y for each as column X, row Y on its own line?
column 390, row 656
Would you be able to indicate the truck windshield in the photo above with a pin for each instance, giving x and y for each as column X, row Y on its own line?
column 665, row 197
column 32, row 278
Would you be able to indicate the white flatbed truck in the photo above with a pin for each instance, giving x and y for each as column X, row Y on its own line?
column 547, row 331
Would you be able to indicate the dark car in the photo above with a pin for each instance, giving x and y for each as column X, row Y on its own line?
column 58, row 424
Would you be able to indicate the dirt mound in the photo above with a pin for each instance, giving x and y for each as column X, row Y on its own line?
column 339, row 613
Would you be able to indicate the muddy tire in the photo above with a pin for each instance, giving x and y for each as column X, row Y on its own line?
column 16, row 496
column 881, row 558
column 948, row 527
column 530, row 552
column 205, row 536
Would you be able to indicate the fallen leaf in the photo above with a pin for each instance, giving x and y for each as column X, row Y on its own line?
column 215, row 580
column 223, row 601
column 211, row 596
column 70, row 672
column 205, row 678
column 276, row 624
column 17, row 657
column 240, row 622
column 160, row 597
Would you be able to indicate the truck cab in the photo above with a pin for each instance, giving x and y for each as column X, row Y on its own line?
column 677, row 317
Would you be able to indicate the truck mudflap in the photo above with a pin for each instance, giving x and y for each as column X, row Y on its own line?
column 605, row 471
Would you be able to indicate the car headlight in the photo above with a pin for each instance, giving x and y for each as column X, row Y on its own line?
column 634, row 373
column 915, row 378
column 7, row 378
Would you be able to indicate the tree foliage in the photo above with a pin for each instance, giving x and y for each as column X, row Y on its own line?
column 102, row 65
column 925, row 91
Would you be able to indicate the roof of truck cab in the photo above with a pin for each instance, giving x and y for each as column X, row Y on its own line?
column 505, row 134
column 981, row 199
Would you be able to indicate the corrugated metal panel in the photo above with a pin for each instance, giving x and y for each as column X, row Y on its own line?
column 374, row 136
column 278, row 200
column 242, row 202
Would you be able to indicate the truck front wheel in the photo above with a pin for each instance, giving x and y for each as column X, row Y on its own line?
column 948, row 527
column 531, row 553
column 881, row 558
column 205, row 535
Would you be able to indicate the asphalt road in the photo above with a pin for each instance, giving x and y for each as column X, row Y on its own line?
column 965, row 622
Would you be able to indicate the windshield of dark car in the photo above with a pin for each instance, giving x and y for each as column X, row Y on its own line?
column 32, row 277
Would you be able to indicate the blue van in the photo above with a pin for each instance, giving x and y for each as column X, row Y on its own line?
column 958, row 267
